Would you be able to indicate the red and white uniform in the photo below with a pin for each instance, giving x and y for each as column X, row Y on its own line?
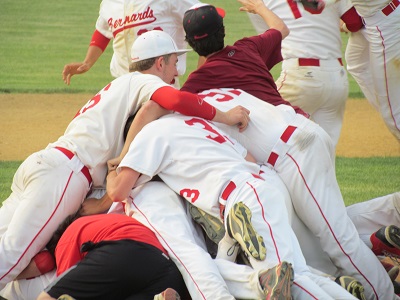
column 52, row 183
column 369, row 216
column 313, row 76
column 373, row 58
column 302, row 154
column 124, row 20
column 207, row 168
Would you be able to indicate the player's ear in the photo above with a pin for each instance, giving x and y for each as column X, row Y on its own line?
column 160, row 62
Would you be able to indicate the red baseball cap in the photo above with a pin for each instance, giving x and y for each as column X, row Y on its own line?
column 202, row 20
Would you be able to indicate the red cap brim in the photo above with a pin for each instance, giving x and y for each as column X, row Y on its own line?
column 220, row 11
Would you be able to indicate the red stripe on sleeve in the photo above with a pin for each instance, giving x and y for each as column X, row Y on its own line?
column 99, row 40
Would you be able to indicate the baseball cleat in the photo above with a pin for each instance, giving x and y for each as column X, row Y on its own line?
column 277, row 281
column 212, row 226
column 351, row 285
column 168, row 294
column 386, row 241
column 240, row 229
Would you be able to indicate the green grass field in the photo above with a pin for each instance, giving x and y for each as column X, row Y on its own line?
column 37, row 41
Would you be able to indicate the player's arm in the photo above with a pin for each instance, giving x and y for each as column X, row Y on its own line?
column 96, row 48
column 272, row 20
column 93, row 206
column 352, row 21
column 41, row 263
column 192, row 105
column 148, row 112
column 120, row 185
column 167, row 99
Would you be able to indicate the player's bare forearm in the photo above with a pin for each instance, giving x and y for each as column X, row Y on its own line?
column 72, row 69
column 30, row 271
column 271, row 19
column 120, row 185
column 237, row 116
column 41, row 263
column 93, row 206
column 149, row 112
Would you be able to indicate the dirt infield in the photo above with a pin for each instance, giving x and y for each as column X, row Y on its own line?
column 30, row 121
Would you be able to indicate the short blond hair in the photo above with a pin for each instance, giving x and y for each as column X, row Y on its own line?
column 146, row 64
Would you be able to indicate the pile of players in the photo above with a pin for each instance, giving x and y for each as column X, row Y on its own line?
column 142, row 160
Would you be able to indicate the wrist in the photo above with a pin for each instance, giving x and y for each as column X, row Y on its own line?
column 110, row 171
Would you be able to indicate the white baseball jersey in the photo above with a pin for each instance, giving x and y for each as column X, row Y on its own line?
column 96, row 132
column 124, row 20
column 320, row 90
column 311, row 35
column 303, row 157
column 376, row 69
column 369, row 8
column 158, row 154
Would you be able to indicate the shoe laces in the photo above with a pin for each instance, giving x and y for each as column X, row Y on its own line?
column 232, row 249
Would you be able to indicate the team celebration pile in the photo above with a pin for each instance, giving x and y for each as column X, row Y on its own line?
column 220, row 187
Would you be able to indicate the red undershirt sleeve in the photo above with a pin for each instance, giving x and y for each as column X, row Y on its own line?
column 352, row 19
column 99, row 40
column 183, row 102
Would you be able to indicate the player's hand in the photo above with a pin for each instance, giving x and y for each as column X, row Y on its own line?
column 73, row 69
column 92, row 206
column 238, row 116
column 113, row 163
column 251, row 6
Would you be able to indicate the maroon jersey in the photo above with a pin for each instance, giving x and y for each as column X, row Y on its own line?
column 245, row 65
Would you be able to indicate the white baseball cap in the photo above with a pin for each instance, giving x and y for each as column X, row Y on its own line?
column 154, row 43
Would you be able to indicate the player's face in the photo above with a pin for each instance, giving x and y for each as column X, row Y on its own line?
column 170, row 71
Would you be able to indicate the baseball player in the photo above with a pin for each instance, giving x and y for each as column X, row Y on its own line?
column 123, row 257
column 312, row 75
column 357, row 60
column 123, row 21
column 162, row 148
column 302, row 155
column 52, row 183
column 381, row 19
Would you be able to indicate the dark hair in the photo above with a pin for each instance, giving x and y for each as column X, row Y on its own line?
column 129, row 123
column 51, row 245
column 208, row 45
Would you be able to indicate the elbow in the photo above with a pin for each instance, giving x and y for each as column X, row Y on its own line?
column 153, row 109
column 115, row 194
column 285, row 31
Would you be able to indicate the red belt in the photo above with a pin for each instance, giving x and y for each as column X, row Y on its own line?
column 227, row 192
column 391, row 7
column 273, row 157
column 313, row 62
column 70, row 155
